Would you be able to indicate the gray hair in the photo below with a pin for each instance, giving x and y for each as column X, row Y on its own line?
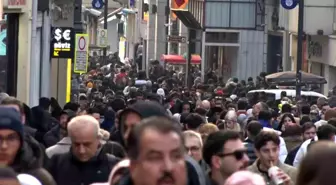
column 83, row 121
column 230, row 114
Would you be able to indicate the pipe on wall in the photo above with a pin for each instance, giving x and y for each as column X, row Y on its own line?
column 45, row 57
column 34, row 58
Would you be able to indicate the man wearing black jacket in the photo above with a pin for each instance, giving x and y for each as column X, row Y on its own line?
column 86, row 162
column 146, row 109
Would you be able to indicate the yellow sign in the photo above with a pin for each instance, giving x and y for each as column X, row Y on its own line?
column 56, row 54
column 81, row 53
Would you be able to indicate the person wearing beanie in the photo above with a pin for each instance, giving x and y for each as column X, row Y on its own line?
column 16, row 152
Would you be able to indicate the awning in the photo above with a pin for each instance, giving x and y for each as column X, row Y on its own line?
column 178, row 59
column 187, row 19
column 289, row 78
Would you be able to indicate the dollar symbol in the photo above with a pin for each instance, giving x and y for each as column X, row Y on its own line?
column 58, row 34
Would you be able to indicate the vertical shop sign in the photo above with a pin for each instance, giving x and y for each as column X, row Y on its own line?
column 81, row 53
column 61, row 45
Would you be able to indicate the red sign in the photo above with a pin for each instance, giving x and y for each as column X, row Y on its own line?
column 81, row 43
column 16, row 2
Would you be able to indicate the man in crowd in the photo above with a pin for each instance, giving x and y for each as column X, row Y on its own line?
column 308, row 132
column 324, row 132
column 157, row 149
column 59, row 131
column 267, row 147
column 225, row 154
column 253, row 129
column 194, row 144
column 85, row 163
column 18, row 105
column 132, row 116
column 16, row 152
column 193, row 121
column 94, row 112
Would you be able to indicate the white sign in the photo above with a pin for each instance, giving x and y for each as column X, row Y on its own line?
column 65, row 34
column 81, row 53
column 102, row 38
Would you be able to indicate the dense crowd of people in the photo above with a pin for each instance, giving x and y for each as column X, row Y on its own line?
column 123, row 127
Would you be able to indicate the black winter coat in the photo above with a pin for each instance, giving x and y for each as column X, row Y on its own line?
column 29, row 160
column 68, row 170
column 52, row 137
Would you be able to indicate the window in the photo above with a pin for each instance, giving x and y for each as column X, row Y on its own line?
column 231, row 14
column 3, row 55
column 222, row 37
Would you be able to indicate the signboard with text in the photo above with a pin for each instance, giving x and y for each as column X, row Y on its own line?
column 62, row 42
column 81, row 53
column 102, row 38
column 176, row 39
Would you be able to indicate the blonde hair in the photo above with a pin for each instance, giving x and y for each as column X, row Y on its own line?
column 190, row 133
column 82, row 121
column 207, row 129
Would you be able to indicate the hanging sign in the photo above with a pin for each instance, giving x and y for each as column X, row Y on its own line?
column 61, row 45
column 97, row 4
column 102, row 38
column 81, row 53
column 289, row 4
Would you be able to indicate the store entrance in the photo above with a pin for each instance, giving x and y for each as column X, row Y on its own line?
column 9, row 29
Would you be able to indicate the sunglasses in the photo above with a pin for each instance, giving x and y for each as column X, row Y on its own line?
column 238, row 154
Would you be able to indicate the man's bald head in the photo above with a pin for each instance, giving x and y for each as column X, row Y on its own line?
column 261, row 106
column 205, row 104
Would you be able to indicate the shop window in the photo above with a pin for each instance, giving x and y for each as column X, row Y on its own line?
column 222, row 37
column 3, row 54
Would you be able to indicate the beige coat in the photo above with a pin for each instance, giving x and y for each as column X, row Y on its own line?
column 289, row 170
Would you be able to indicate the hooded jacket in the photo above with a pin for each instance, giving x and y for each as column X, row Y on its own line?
column 144, row 109
column 196, row 176
column 29, row 160
column 52, row 136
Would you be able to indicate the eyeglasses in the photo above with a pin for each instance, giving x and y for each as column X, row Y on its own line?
column 9, row 139
column 238, row 154
column 192, row 149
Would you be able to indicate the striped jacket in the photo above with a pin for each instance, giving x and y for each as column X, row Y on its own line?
column 249, row 145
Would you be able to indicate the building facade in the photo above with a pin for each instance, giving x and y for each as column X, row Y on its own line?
column 235, row 38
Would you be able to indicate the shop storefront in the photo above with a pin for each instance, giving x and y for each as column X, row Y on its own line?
column 15, row 58
column 8, row 53
column 321, row 57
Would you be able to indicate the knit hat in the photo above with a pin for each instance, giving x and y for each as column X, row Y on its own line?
column 11, row 119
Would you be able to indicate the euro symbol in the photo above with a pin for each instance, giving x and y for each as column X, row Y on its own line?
column 66, row 34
